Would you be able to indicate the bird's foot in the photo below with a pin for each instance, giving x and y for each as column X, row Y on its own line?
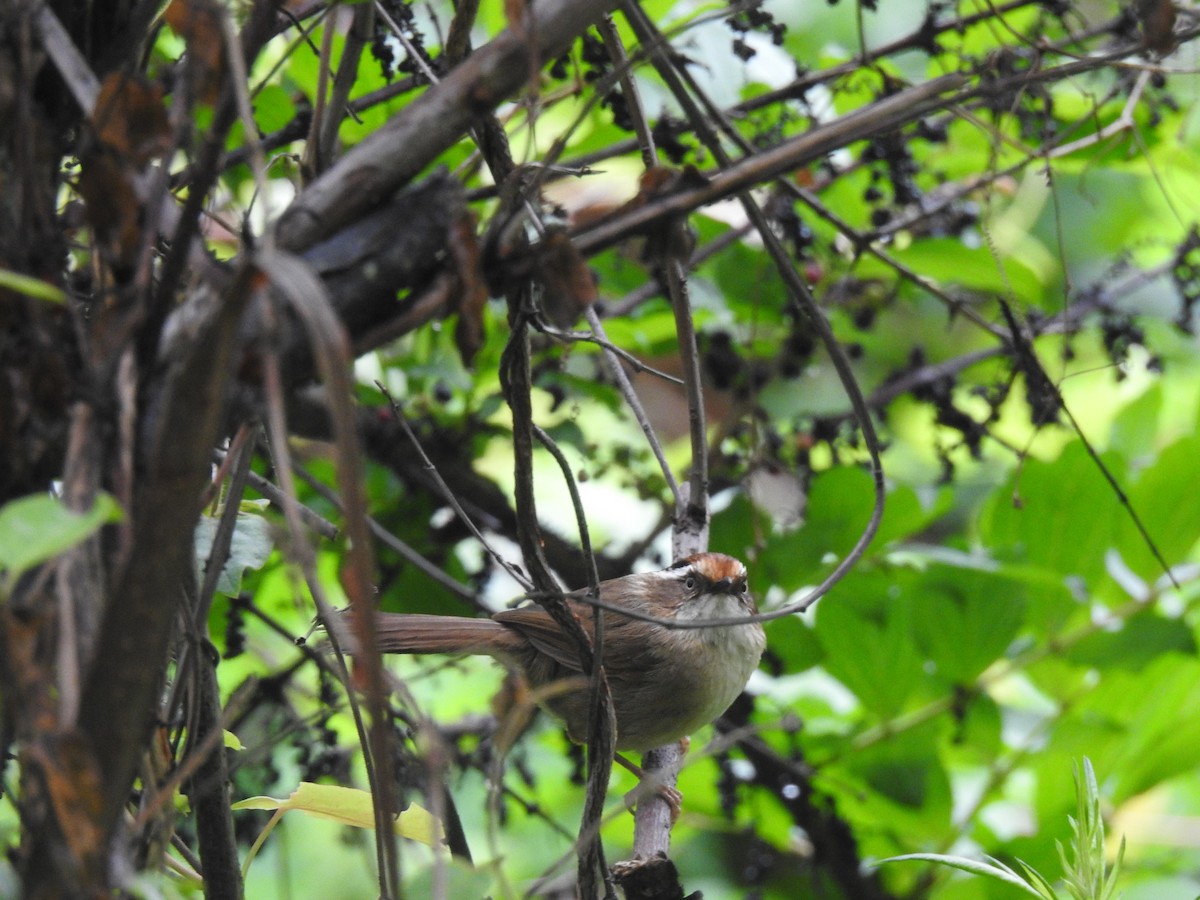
column 648, row 783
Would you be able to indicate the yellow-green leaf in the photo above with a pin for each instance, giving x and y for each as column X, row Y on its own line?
column 38, row 527
column 31, row 287
column 349, row 806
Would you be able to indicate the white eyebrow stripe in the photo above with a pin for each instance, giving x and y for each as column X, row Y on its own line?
column 669, row 573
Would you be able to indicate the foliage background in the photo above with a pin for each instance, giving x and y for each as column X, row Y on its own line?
column 1011, row 271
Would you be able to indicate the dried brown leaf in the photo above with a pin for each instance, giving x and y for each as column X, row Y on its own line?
column 1157, row 21
column 113, row 207
column 568, row 287
column 198, row 22
column 71, row 778
column 130, row 118
column 463, row 244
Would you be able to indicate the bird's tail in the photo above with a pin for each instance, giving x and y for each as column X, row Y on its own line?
column 456, row 635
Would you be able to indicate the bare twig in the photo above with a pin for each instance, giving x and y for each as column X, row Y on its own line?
column 635, row 405
column 654, row 817
column 386, row 537
column 296, row 281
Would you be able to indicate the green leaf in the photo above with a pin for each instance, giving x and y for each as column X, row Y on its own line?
column 1173, row 526
column 949, row 261
column 964, row 619
column 568, row 433
column 1035, row 879
column 908, row 785
column 840, row 503
column 273, row 108
column 795, row 643
column 865, row 627
column 1086, row 874
column 980, row 727
column 1131, row 723
column 36, row 528
column 1142, row 639
column 1064, row 515
column 1136, row 426
column 905, row 514
column 839, row 507
column 994, row 869
column 250, row 548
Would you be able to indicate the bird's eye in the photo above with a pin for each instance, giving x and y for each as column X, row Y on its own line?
column 690, row 582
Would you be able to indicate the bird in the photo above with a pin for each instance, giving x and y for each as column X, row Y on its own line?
column 665, row 682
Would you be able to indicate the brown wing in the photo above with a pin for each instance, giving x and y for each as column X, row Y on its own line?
column 539, row 628
column 544, row 634
column 633, row 673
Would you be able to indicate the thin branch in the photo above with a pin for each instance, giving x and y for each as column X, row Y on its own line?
column 863, row 123
column 625, row 386
column 71, row 65
column 386, row 537
column 450, row 497
column 1031, row 366
column 517, row 388
column 601, row 718
column 610, row 349
column 297, row 282
column 654, row 818
column 799, row 294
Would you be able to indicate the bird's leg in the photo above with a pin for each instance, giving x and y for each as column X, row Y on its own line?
column 671, row 796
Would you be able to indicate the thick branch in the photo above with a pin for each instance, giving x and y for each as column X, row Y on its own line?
column 882, row 116
column 118, row 700
column 397, row 152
